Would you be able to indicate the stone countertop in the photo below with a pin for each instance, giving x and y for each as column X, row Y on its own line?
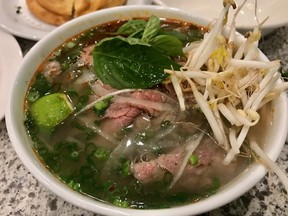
column 22, row 194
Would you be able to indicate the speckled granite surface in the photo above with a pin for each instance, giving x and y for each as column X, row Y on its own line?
column 21, row 194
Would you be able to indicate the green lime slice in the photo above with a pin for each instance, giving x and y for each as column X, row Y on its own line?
column 51, row 110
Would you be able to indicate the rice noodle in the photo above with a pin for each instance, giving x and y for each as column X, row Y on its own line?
column 189, row 149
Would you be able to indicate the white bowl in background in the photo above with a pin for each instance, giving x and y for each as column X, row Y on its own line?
column 274, row 9
column 21, row 143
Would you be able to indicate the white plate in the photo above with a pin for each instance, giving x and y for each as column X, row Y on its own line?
column 10, row 60
column 24, row 24
column 275, row 9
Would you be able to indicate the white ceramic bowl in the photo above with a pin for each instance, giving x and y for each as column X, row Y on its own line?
column 246, row 19
column 15, row 117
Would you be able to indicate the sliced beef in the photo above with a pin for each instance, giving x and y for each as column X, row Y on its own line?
column 146, row 172
column 117, row 110
column 149, row 95
column 170, row 162
column 86, row 56
column 194, row 178
column 121, row 114
column 51, row 70
column 118, row 116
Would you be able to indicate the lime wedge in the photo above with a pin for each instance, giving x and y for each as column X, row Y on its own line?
column 51, row 110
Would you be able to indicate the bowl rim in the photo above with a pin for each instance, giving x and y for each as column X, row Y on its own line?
column 15, row 130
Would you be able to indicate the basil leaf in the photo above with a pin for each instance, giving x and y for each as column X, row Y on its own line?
column 121, row 65
column 168, row 44
column 130, row 40
column 132, row 27
column 186, row 36
column 152, row 28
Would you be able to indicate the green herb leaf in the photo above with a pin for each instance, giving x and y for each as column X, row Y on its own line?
column 132, row 27
column 168, row 44
column 41, row 86
column 82, row 101
column 67, row 55
column 185, row 36
column 121, row 65
column 152, row 28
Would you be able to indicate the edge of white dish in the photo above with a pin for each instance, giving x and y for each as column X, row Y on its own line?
column 10, row 60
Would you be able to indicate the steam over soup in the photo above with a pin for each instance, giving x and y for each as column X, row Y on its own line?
column 105, row 118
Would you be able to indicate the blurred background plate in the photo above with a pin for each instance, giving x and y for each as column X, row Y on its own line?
column 17, row 19
column 10, row 60
column 275, row 9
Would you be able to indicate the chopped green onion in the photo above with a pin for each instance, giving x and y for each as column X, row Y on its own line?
column 74, row 154
column 74, row 185
column 165, row 123
column 124, row 167
column 70, row 44
column 121, row 203
column 194, row 160
column 33, row 96
column 102, row 153
column 101, row 106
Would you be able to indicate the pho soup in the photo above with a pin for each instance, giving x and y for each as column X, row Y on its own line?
column 105, row 118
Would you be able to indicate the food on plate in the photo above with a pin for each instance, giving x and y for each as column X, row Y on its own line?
column 151, row 112
column 57, row 12
column 45, row 15
column 61, row 7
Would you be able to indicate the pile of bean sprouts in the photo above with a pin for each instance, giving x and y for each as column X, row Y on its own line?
column 230, row 83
